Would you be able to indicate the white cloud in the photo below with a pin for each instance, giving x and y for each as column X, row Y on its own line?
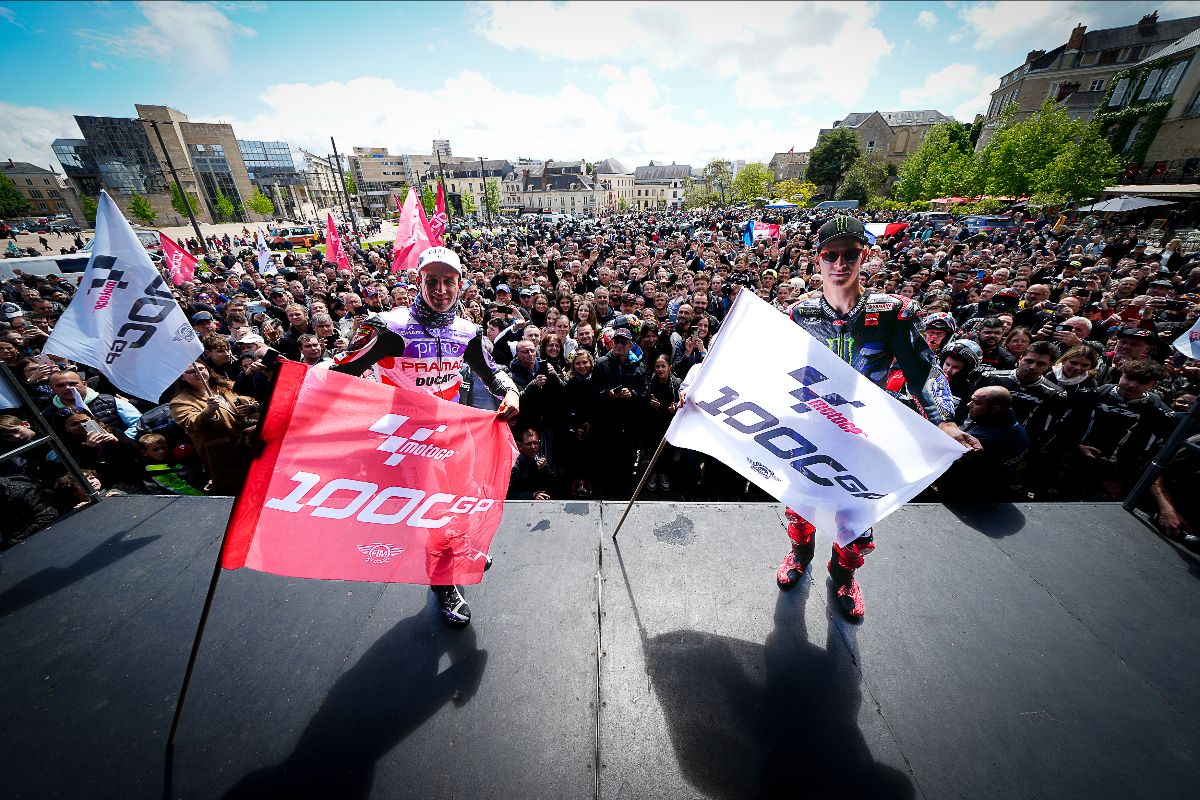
column 927, row 20
column 27, row 132
column 779, row 55
column 8, row 15
column 631, row 119
column 958, row 89
column 1045, row 24
column 191, row 35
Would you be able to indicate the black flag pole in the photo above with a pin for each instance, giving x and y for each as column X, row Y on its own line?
column 641, row 484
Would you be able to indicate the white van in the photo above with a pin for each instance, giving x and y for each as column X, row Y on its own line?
column 71, row 266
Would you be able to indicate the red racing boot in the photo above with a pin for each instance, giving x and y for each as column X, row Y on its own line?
column 804, row 540
column 842, row 565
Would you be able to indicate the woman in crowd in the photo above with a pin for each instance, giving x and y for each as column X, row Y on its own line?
column 575, row 443
column 693, row 349
column 662, row 403
column 1017, row 342
column 97, row 447
column 552, row 352
column 1076, row 369
column 220, row 424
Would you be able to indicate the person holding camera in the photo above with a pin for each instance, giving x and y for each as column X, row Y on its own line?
column 220, row 423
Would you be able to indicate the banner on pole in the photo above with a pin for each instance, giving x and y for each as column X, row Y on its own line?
column 180, row 262
column 266, row 264
column 1189, row 342
column 412, row 234
column 393, row 486
column 805, row 426
column 124, row 321
column 440, row 221
column 334, row 252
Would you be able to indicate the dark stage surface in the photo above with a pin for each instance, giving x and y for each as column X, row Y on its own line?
column 1008, row 652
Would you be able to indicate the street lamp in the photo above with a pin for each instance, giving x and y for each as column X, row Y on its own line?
column 187, row 201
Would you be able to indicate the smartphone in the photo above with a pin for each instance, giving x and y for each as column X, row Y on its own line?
column 91, row 426
column 270, row 358
column 1131, row 312
column 257, row 308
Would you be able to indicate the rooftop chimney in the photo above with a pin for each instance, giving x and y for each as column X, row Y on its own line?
column 1076, row 40
column 1148, row 24
column 11, row 164
column 1034, row 55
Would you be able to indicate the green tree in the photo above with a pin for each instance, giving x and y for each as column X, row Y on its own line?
column 1081, row 170
column 622, row 205
column 468, row 203
column 491, row 197
column 943, row 165
column 835, row 153
column 1019, row 151
column 140, row 209
column 225, row 207
column 89, row 206
column 351, row 186
column 589, row 167
column 429, row 197
column 864, row 180
column 179, row 204
column 718, row 174
column 752, row 182
column 794, row 190
column 260, row 204
column 12, row 202
column 697, row 195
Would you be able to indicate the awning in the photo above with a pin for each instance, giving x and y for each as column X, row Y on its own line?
column 1175, row 191
column 1118, row 205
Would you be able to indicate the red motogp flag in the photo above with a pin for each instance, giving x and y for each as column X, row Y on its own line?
column 439, row 223
column 367, row 482
column 333, row 245
column 412, row 234
column 181, row 263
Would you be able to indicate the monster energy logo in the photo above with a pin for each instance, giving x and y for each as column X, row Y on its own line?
column 843, row 346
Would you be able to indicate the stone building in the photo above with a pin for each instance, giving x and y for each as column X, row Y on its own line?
column 659, row 185
column 48, row 193
column 892, row 135
column 789, row 165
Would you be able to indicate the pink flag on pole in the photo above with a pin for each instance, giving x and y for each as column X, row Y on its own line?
column 439, row 223
column 181, row 263
column 333, row 246
column 412, row 234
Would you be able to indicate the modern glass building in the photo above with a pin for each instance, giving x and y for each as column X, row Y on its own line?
column 75, row 156
column 215, row 174
column 122, row 155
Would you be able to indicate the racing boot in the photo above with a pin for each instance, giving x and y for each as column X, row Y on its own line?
column 842, row 565
column 453, row 606
column 804, row 540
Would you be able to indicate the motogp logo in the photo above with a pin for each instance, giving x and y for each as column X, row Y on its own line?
column 144, row 315
column 402, row 446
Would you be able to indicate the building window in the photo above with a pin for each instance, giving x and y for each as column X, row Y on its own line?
column 1170, row 80
column 43, row 207
column 871, row 145
column 1089, row 58
column 53, row 193
column 1118, row 93
column 1194, row 108
column 1096, row 85
column 46, row 181
column 29, row 181
column 1052, row 92
column 60, row 206
column 1148, row 86
column 36, row 194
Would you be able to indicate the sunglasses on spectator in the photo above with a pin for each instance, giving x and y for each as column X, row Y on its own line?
column 847, row 256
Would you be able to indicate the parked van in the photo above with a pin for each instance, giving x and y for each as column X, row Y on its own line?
column 296, row 235
column 73, row 265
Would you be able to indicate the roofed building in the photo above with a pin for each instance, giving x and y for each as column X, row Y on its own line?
column 894, row 135
column 659, row 185
column 48, row 192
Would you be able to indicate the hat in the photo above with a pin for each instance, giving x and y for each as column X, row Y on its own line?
column 1075, row 264
column 1164, row 283
column 629, row 297
column 961, row 276
column 1006, row 296
column 276, row 291
column 1140, row 244
column 770, row 272
column 201, row 316
column 622, row 333
column 10, row 310
column 504, row 288
column 839, row 227
column 439, row 255
column 527, row 292
column 1144, row 334
column 251, row 338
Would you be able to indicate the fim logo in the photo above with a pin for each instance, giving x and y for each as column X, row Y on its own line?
column 762, row 469
column 402, row 446
column 379, row 553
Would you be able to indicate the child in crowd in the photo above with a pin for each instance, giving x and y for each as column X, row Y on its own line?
column 161, row 475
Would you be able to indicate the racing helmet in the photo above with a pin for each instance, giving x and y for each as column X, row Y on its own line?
column 966, row 351
column 940, row 321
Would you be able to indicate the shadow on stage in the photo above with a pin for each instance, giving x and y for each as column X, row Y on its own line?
column 777, row 719
column 393, row 689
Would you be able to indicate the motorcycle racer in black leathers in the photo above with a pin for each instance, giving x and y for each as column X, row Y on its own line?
column 869, row 332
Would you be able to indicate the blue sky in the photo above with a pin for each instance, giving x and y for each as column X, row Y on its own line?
column 638, row 81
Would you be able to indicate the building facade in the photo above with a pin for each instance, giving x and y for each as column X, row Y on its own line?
column 379, row 175
column 48, row 193
column 560, row 187
column 1079, row 72
column 322, row 181
column 123, row 156
column 891, row 135
column 273, row 172
column 614, row 182
column 471, row 178
column 659, row 185
column 788, row 166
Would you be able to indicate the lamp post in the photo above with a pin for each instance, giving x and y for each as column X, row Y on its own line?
column 187, row 201
column 349, row 209
column 483, row 178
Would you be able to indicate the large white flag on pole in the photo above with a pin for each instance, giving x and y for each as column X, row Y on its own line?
column 779, row 408
column 124, row 320
column 266, row 264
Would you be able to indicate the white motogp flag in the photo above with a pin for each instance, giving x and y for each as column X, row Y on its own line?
column 1189, row 343
column 124, row 320
column 266, row 264
column 779, row 408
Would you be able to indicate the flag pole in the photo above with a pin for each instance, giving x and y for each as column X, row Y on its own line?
column 191, row 665
column 641, row 484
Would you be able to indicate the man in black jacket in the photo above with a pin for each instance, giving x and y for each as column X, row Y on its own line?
column 621, row 384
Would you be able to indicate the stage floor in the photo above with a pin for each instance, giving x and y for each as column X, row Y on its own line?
column 1009, row 652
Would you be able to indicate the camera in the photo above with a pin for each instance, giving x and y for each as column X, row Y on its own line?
column 1063, row 328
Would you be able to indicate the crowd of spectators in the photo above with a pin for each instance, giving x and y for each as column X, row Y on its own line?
column 1053, row 336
